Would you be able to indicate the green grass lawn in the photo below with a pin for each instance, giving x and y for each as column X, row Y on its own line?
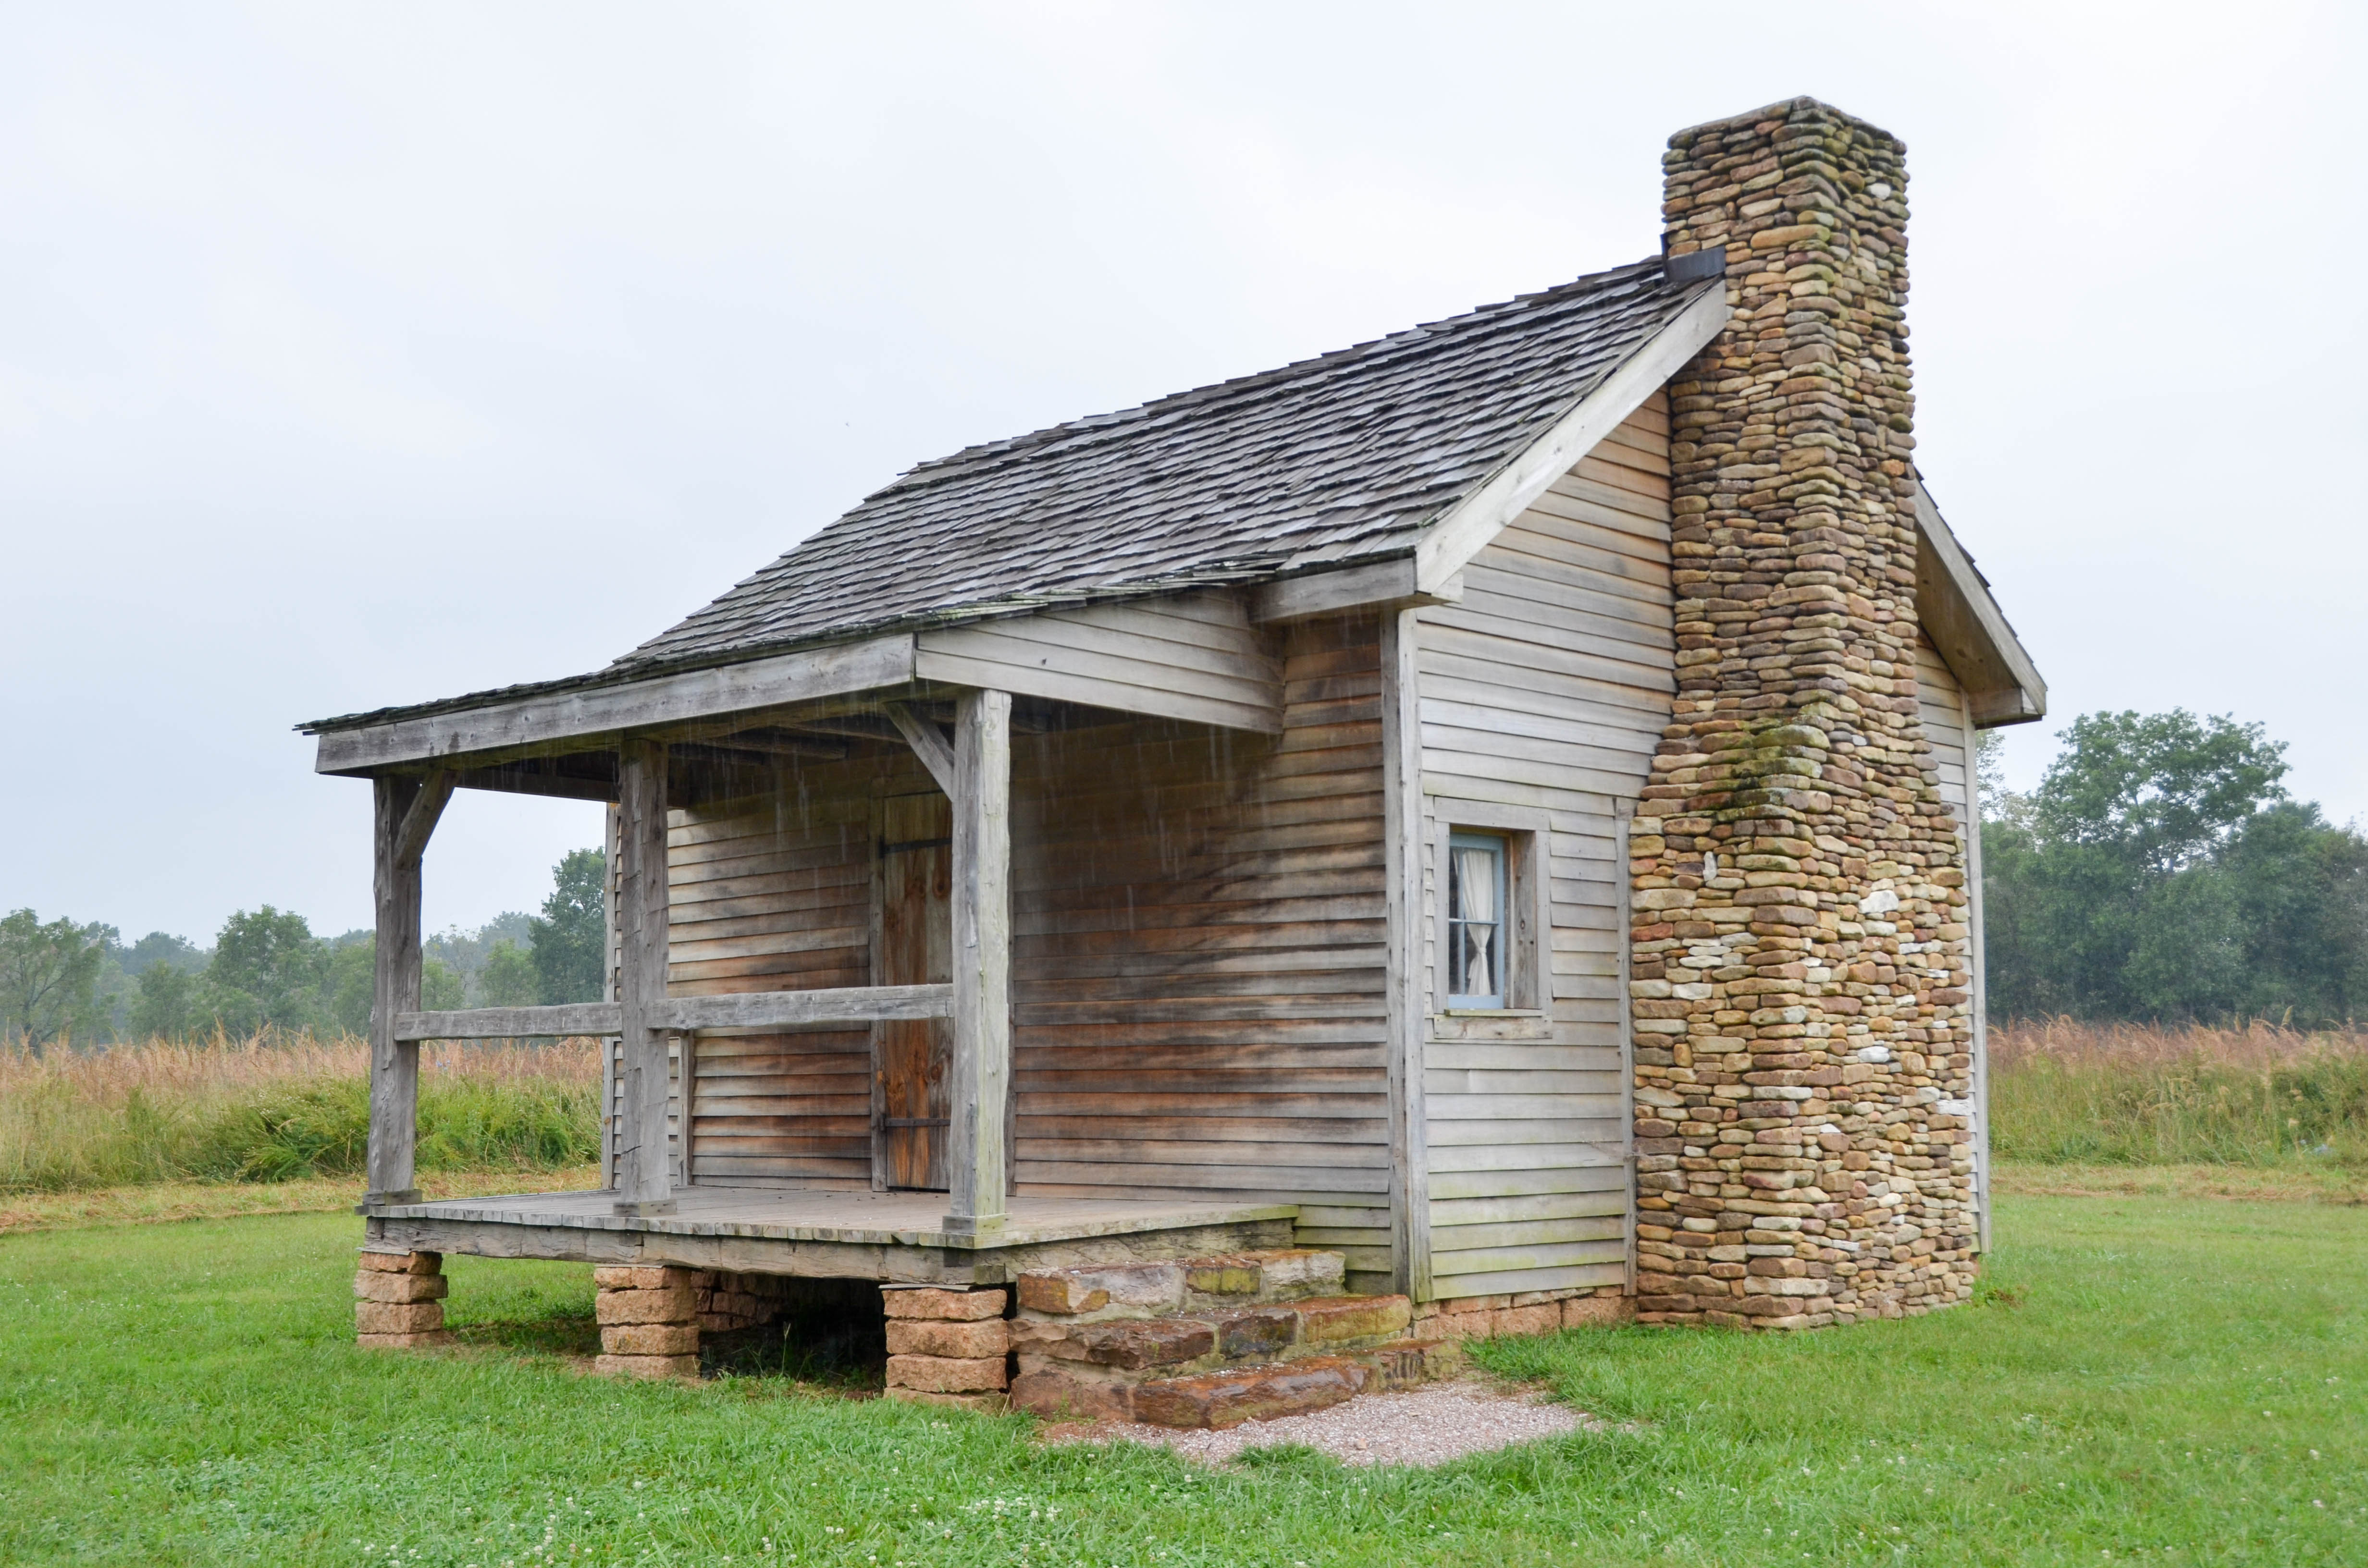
column 2147, row 1378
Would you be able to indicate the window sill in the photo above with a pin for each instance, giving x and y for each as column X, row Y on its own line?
column 1482, row 1024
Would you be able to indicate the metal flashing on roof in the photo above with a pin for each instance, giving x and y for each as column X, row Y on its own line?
column 1693, row 266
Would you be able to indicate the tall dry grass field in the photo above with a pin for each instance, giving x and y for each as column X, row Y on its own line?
column 275, row 1107
column 2067, row 1093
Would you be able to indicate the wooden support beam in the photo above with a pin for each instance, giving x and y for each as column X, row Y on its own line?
column 590, row 715
column 419, row 818
column 789, row 1009
column 935, row 753
column 976, row 1153
column 1378, row 586
column 1403, row 1000
column 538, row 776
column 644, row 1184
column 511, row 1023
column 684, row 1015
column 394, row 1063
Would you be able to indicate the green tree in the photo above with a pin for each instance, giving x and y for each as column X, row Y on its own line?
column 48, row 976
column 2158, row 791
column 571, row 939
column 441, row 989
column 165, row 1006
column 508, row 979
column 268, row 970
column 2159, row 870
column 352, row 988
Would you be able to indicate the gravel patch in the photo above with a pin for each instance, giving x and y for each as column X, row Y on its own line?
column 1422, row 1427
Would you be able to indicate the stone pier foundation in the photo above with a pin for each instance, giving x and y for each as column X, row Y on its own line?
column 649, row 1320
column 949, row 1347
column 399, row 1300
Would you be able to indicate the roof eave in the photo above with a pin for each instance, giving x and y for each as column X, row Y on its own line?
column 1966, row 624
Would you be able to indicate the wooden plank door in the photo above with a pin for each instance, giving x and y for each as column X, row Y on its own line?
column 915, row 925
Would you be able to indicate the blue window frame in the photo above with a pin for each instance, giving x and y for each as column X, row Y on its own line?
column 1477, row 926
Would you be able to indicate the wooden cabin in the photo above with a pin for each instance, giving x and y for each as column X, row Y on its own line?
column 1199, row 827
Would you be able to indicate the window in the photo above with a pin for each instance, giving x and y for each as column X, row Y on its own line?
column 1477, row 907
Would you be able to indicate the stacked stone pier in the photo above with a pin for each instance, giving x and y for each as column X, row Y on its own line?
column 399, row 1300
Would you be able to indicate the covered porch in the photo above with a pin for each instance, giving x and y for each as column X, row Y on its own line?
column 1196, row 973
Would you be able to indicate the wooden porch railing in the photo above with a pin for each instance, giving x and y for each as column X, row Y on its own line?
column 683, row 1015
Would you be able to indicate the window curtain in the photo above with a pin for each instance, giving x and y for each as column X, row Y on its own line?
column 1476, row 889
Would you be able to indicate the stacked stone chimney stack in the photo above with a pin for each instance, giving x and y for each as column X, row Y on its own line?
column 1800, row 946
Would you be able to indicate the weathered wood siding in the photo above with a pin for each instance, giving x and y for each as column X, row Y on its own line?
column 1938, row 702
column 1197, row 968
column 1191, row 656
column 1196, row 987
column 1546, row 691
column 774, row 893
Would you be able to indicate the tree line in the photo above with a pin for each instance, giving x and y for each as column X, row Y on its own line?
column 267, row 970
column 2160, row 870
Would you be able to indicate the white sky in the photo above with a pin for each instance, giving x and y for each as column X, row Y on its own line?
column 354, row 356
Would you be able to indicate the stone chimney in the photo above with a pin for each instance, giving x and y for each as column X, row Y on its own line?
column 1799, row 961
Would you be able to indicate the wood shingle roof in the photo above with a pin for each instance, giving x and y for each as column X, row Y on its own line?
column 1337, row 459
column 1331, row 460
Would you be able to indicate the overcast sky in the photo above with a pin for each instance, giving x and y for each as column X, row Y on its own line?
column 354, row 356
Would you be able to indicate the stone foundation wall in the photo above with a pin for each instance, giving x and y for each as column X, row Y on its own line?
column 1800, row 954
column 1531, row 1311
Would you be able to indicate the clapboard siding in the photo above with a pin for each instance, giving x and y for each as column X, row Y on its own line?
column 773, row 892
column 1937, row 704
column 1545, row 691
column 1198, row 936
column 1198, row 955
column 1193, row 656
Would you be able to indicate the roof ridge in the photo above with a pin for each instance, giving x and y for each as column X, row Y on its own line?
column 970, row 459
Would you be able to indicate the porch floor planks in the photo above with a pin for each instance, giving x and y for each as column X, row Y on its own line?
column 860, row 1218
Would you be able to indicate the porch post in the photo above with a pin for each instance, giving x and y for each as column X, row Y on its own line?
column 404, row 815
column 1403, row 999
column 644, row 1184
column 976, row 1160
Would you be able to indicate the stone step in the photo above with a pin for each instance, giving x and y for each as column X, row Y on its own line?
column 1222, row 1368
column 1178, row 1287
column 1205, row 1341
column 1232, row 1395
